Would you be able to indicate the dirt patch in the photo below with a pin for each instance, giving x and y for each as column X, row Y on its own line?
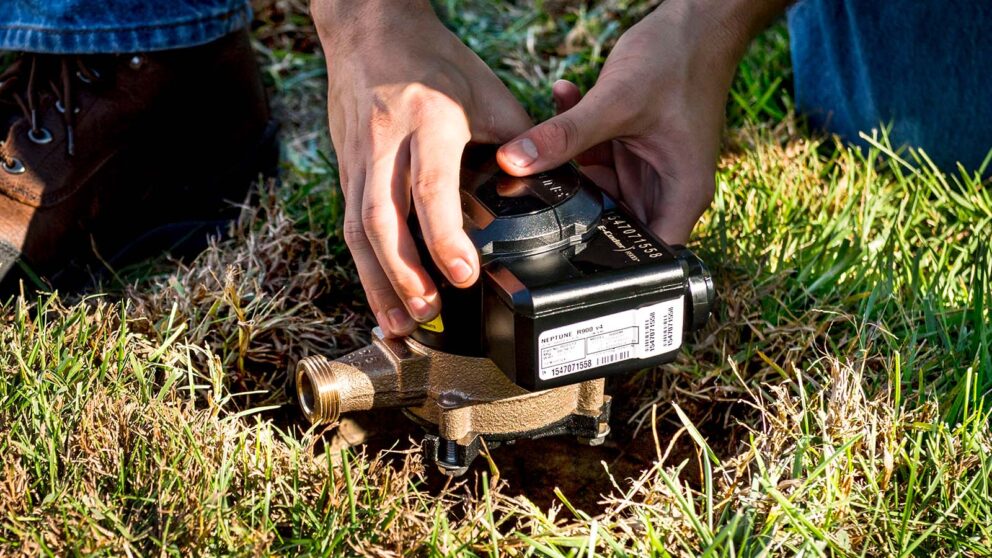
column 533, row 468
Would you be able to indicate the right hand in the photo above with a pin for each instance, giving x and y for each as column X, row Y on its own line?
column 405, row 96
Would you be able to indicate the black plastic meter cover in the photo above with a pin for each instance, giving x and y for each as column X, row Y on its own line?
column 573, row 287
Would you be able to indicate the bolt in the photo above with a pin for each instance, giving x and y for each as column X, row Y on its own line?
column 447, row 459
column 600, row 438
column 450, row 451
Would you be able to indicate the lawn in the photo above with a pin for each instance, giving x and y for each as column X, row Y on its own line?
column 837, row 405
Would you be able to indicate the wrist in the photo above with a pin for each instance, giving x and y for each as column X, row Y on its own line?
column 348, row 21
column 723, row 28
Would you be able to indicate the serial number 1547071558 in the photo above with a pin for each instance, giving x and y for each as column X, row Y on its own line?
column 570, row 368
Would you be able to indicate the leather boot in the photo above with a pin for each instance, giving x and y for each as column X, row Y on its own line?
column 110, row 158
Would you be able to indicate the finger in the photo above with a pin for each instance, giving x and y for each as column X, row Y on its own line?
column 675, row 185
column 435, row 156
column 683, row 198
column 505, row 119
column 385, row 206
column 567, row 95
column 382, row 299
column 596, row 118
column 686, row 189
column 603, row 176
column 635, row 179
column 497, row 116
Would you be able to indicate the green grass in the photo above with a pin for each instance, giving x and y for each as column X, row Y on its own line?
column 838, row 405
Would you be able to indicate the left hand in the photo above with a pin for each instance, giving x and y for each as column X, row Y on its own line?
column 648, row 132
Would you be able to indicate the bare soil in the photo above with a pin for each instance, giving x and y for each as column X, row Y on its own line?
column 532, row 468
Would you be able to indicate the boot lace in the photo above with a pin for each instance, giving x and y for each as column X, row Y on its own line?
column 20, row 85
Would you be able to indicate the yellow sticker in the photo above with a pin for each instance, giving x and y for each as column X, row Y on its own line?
column 435, row 325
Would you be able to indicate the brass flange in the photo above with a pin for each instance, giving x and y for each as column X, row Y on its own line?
column 461, row 397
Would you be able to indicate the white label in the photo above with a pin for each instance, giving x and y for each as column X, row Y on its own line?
column 639, row 333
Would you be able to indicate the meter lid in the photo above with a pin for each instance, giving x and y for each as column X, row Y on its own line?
column 516, row 216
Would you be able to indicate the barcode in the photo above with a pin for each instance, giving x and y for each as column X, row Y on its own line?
column 615, row 357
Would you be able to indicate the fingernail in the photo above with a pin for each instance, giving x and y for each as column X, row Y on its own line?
column 420, row 308
column 521, row 152
column 380, row 318
column 399, row 321
column 460, row 270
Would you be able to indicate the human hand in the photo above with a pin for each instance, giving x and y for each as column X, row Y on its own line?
column 405, row 96
column 648, row 132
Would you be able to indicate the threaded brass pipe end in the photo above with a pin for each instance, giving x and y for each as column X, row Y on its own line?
column 317, row 389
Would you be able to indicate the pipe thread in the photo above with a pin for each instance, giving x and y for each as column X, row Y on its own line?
column 318, row 390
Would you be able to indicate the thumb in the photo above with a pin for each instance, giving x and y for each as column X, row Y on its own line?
column 554, row 142
column 566, row 95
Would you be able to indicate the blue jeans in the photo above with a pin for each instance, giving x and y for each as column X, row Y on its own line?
column 114, row 26
column 920, row 66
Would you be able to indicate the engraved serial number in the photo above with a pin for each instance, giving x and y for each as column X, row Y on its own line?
column 635, row 237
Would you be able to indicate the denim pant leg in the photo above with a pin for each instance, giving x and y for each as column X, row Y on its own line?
column 114, row 26
column 921, row 66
